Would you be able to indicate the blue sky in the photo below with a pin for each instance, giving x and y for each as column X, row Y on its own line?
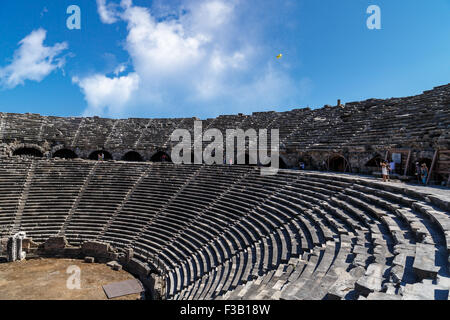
column 206, row 58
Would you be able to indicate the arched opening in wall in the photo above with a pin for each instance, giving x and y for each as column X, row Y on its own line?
column 374, row 163
column 29, row 152
column 132, row 156
column 96, row 155
column 305, row 163
column 427, row 161
column 65, row 154
column 160, row 156
column 337, row 163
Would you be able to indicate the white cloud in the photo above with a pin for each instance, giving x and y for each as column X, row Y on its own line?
column 120, row 69
column 33, row 60
column 160, row 47
column 108, row 12
column 107, row 95
column 197, row 55
column 208, row 16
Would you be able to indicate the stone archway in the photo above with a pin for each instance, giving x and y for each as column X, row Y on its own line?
column 132, row 156
column 374, row 163
column 161, row 156
column 307, row 161
column 338, row 163
column 65, row 154
column 427, row 161
column 28, row 151
column 95, row 155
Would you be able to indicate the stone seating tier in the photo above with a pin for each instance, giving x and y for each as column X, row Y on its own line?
column 221, row 232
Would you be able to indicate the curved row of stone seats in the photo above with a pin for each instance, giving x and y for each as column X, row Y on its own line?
column 376, row 231
column 397, row 229
column 236, row 238
column 227, row 232
column 13, row 125
column 152, row 192
column 194, row 199
column 93, row 131
column 356, row 124
column 54, row 188
column 146, row 204
column 106, row 189
column 61, row 130
column 13, row 177
column 239, row 237
column 126, row 133
column 158, row 131
column 280, row 241
column 327, row 255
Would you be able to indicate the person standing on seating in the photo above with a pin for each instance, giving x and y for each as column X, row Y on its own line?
column 392, row 167
column 424, row 173
column 418, row 172
column 384, row 171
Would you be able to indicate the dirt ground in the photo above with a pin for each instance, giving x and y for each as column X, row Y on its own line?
column 46, row 279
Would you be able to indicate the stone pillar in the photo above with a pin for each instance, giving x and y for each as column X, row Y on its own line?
column 14, row 247
column 11, row 250
column 129, row 253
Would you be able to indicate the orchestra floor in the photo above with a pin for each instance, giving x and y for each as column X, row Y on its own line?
column 56, row 279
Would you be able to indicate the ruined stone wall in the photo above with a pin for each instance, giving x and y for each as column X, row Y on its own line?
column 358, row 131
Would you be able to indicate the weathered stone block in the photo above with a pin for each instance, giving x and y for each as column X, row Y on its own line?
column 117, row 267
column 138, row 268
column 55, row 243
column 95, row 246
column 371, row 282
column 103, row 252
column 424, row 262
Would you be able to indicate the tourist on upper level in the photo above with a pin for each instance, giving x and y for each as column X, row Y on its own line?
column 392, row 167
column 384, row 171
column 424, row 173
column 418, row 172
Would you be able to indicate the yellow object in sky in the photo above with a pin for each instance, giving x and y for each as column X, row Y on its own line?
column 279, row 56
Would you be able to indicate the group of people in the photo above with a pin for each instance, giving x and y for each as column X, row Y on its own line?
column 421, row 171
column 386, row 169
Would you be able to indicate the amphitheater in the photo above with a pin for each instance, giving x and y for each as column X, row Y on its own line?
column 196, row 231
